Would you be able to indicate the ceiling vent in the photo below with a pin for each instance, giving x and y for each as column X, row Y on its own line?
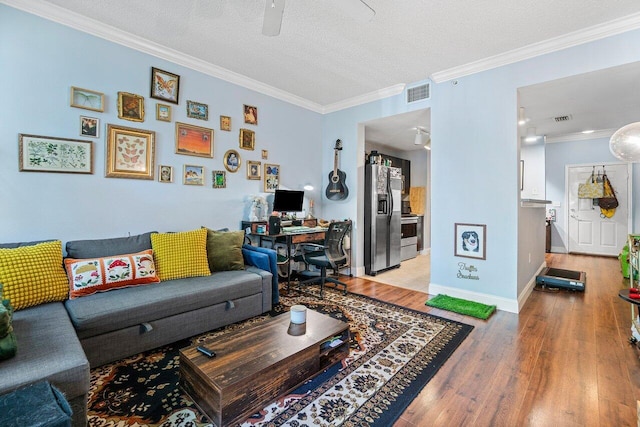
column 560, row 119
column 418, row 93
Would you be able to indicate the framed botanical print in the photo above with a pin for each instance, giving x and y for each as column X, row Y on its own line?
column 164, row 85
column 196, row 110
column 219, row 179
column 48, row 154
column 253, row 170
column 471, row 240
column 232, row 161
column 130, row 107
column 89, row 126
column 247, row 139
column 165, row 173
column 193, row 175
column 250, row 114
column 87, row 99
column 225, row 123
column 163, row 112
column 194, row 140
column 271, row 178
column 130, row 152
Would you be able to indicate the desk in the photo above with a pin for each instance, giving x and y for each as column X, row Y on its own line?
column 313, row 235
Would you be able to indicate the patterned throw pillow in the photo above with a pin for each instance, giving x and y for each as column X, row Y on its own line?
column 224, row 250
column 33, row 275
column 179, row 255
column 88, row 276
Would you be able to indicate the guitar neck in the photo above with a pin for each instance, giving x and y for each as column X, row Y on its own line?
column 335, row 162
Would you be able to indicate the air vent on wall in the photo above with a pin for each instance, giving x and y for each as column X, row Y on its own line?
column 559, row 119
column 418, row 93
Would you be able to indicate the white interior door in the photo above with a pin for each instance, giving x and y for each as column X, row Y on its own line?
column 589, row 231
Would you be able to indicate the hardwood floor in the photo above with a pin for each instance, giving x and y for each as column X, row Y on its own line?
column 564, row 360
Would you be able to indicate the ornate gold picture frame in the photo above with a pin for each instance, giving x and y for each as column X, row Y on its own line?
column 130, row 107
column 232, row 161
column 130, row 152
column 247, row 139
column 271, row 177
column 253, row 169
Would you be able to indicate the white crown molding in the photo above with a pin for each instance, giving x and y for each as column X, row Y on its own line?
column 602, row 133
column 363, row 99
column 91, row 26
column 597, row 32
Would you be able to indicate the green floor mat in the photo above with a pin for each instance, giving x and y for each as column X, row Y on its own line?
column 462, row 306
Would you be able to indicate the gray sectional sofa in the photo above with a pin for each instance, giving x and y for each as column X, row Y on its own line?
column 60, row 341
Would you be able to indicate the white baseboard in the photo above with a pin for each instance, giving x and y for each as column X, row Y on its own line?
column 526, row 293
column 504, row 304
column 559, row 250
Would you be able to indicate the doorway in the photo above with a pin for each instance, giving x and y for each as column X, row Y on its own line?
column 589, row 231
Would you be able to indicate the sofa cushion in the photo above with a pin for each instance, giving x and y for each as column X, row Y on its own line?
column 48, row 349
column 107, row 247
column 108, row 311
column 88, row 276
column 224, row 250
column 33, row 275
column 180, row 255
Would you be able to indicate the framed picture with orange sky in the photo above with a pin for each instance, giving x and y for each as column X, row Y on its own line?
column 194, row 140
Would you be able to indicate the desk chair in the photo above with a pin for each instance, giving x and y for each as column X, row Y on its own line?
column 330, row 255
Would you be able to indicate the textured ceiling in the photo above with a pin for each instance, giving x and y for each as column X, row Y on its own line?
column 326, row 55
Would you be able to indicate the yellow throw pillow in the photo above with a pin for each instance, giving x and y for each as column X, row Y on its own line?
column 91, row 275
column 179, row 255
column 33, row 275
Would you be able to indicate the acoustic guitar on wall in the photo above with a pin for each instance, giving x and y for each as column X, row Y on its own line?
column 337, row 189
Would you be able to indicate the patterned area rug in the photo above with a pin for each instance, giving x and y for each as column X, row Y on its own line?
column 394, row 353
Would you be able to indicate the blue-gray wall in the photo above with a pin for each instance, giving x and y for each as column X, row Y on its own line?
column 40, row 61
column 474, row 157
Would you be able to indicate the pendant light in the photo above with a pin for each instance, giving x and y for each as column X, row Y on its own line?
column 625, row 143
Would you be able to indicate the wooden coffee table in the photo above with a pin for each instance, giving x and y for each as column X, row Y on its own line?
column 255, row 366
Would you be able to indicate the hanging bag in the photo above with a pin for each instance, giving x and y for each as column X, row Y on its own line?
column 609, row 202
column 591, row 189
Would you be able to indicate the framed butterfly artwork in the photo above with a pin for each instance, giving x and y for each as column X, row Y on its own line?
column 130, row 152
column 165, row 85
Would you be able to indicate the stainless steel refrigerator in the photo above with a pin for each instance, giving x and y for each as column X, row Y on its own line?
column 383, row 188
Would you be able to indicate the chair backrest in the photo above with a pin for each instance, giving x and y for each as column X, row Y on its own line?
column 334, row 243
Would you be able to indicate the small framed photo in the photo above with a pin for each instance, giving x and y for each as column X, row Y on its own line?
column 271, row 178
column 250, row 114
column 253, row 170
column 87, row 99
column 130, row 152
column 49, row 154
column 130, row 107
column 196, row 110
column 471, row 240
column 163, row 112
column 194, row 140
column 193, row 175
column 164, row 85
column 232, row 161
column 89, row 126
column 225, row 123
column 165, row 173
column 265, row 154
column 247, row 139
column 219, row 179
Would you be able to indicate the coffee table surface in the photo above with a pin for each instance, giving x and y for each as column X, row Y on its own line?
column 257, row 365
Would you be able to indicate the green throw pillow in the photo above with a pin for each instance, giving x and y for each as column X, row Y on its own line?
column 224, row 250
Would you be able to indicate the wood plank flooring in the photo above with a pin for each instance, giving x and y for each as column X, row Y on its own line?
column 564, row 360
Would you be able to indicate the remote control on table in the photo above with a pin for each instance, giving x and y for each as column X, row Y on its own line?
column 206, row 351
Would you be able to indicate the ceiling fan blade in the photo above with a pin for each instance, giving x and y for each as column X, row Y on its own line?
column 272, row 17
column 358, row 9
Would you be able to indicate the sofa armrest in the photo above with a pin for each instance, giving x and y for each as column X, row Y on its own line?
column 265, row 259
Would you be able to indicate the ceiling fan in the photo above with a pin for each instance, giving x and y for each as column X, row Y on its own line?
column 274, row 8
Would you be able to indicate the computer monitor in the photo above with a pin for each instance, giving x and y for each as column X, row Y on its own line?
column 288, row 201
